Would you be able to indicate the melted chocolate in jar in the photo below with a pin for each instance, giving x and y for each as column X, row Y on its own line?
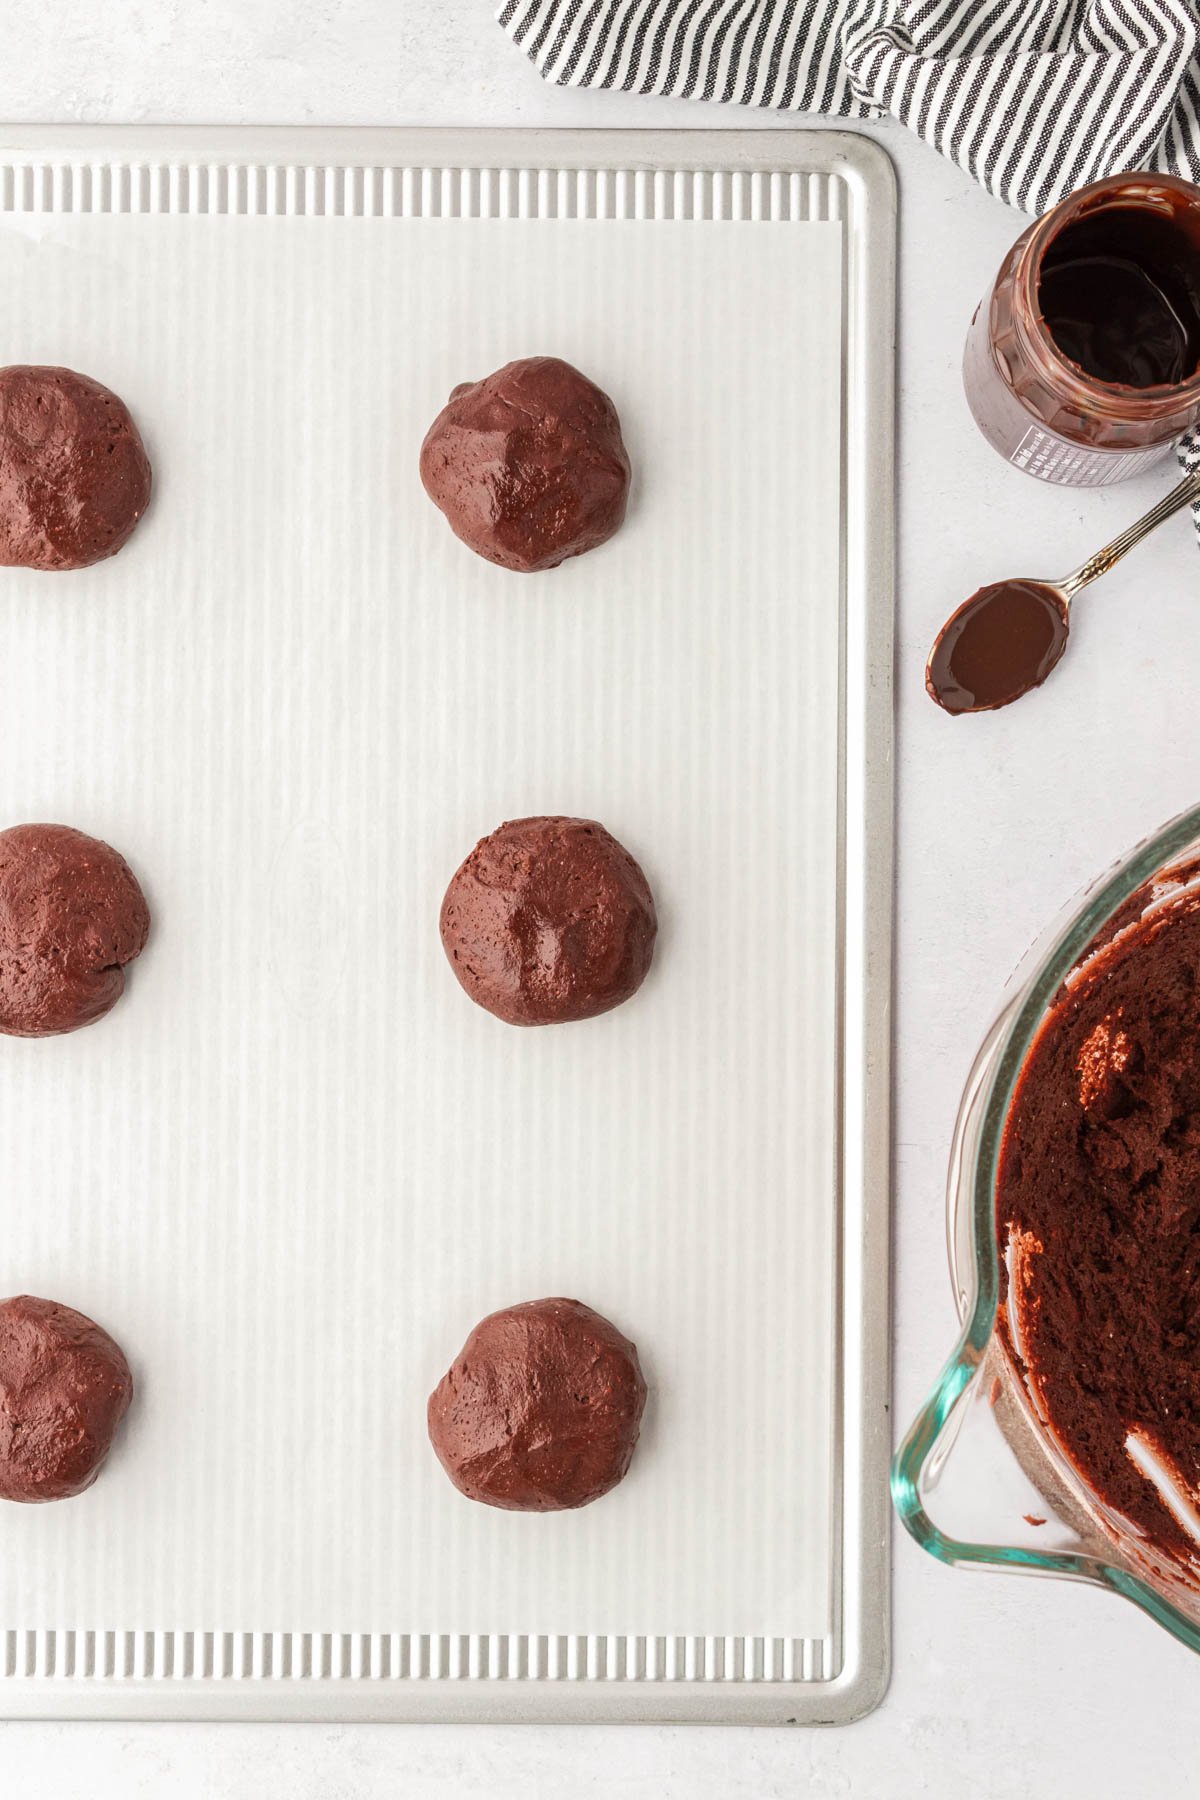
column 1000, row 643
column 1120, row 294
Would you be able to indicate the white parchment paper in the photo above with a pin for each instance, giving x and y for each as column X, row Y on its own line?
column 296, row 1165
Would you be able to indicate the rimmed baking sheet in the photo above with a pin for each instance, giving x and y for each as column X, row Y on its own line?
column 296, row 1165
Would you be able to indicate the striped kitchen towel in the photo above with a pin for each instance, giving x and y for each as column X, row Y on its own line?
column 1033, row 98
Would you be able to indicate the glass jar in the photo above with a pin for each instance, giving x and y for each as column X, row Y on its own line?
column 978, row 1478
column 1082, row 364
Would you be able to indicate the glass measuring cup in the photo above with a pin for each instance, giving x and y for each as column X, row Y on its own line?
column 977, row 1455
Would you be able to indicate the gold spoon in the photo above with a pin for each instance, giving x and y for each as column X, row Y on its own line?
column 1005, row 639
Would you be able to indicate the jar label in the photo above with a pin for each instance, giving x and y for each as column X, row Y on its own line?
column 1052, row 458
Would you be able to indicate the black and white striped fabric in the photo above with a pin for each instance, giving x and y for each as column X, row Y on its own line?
column 1033, row 98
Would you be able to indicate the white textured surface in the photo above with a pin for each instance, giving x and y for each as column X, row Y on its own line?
column 298, row 1165
column 1000, row 1687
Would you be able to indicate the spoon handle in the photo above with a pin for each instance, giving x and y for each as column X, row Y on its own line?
column 1187, row 491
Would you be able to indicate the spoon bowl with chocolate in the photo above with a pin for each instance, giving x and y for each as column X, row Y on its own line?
column 1005, row 640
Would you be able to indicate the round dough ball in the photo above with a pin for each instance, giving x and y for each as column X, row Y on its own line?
column 74, row 475
column 549, row 920
column 541, row 1410
column 71, row 916
column 64, row 1388
column 528, row 464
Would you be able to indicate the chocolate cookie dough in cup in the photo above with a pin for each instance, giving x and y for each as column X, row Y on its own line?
column 1062, row 1436
column 1082, row 363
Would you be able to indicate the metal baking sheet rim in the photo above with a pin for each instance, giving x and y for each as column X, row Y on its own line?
column 243, row 1689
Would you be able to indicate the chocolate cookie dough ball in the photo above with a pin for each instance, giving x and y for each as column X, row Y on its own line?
column 71, row 916
column 74, row 476
column 541, row 1410
column 549, row 920
column 528, row 465
column 64, row 1388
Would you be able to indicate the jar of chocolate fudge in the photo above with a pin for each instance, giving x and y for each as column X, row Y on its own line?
column 1082, row 364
